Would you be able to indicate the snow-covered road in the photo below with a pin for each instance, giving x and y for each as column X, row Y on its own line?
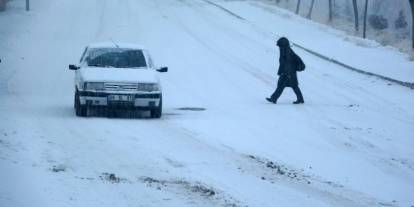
column 351, row 144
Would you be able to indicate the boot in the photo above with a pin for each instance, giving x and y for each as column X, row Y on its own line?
column 271, row 100
column 299, row 96
column 299, row 102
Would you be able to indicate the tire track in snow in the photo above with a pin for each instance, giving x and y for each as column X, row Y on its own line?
column 245, row 66
column 226, row 10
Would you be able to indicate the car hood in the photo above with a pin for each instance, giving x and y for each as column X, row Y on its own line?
column 97, row 74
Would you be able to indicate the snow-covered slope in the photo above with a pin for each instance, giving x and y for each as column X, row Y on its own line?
column 349, row 145
column 363, row 54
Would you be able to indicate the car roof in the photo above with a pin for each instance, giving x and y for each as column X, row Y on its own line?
column 116, row 44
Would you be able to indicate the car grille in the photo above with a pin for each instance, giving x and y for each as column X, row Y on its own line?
column 121, row 86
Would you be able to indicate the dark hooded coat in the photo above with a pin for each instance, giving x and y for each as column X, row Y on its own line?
column 289, row 64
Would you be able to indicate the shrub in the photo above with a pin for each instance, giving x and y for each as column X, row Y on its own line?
column 401, row 22
column 378, row 22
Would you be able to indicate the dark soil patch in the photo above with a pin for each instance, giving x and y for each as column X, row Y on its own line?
column 58, row 168
column 196, row 188
column 276, row 168
column 203, row 190
column 84, row 178
column 281, row 170
column 112, row 178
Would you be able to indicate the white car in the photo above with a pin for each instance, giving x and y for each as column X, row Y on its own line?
column 117, row 75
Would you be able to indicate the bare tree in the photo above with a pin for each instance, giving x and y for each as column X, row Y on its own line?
column 355, row 5
column 2, row 5
column 412, row 14
column 330, row 10
column 297, row 7
column 310, row 10
column 365, row 18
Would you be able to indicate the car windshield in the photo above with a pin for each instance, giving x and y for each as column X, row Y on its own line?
column 115, row 57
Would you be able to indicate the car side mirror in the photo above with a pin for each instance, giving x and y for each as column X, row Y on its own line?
column 163, row 69
column 73, row 67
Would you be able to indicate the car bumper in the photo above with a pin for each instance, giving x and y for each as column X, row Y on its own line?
column 134, row 100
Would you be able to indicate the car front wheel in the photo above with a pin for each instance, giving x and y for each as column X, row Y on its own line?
column 156, row 113
column 79, row 109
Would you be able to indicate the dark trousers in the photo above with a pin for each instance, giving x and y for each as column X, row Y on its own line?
column 280, row 89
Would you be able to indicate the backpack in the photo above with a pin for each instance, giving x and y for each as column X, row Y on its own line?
column 300, row 66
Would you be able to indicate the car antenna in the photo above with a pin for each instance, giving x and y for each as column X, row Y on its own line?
column 116, row 45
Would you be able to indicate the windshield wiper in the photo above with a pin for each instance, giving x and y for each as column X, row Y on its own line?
column 101, row 66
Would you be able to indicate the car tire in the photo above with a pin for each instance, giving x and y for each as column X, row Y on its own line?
column 79, row 109
column 156, row 113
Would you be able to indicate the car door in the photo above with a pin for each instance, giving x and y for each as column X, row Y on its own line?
column 78, row 78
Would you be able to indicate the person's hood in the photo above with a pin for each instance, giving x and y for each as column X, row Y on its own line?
column 283, row 43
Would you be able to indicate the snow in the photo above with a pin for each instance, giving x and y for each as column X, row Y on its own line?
column 350, row 144
column 127, row 75
column 123, row 45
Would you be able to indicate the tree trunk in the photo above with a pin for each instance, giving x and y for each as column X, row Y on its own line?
column 330, row 10
column 310, row 10
column 355, row 5
column 297, row 7
column 412, row 14
column 2, row 5
column 365, row 18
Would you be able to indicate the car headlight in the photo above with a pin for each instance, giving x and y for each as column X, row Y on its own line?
column 148, row 87
column 94, row 86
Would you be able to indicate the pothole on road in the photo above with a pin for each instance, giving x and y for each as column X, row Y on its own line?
column 191, row 109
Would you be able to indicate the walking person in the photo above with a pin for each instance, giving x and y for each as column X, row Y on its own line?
column 289, row 64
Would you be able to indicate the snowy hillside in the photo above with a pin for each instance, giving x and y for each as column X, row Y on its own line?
column 388, row 22
column 218, row 143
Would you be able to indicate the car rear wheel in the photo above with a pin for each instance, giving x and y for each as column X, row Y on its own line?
column 156, row 113
column 79, row 109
